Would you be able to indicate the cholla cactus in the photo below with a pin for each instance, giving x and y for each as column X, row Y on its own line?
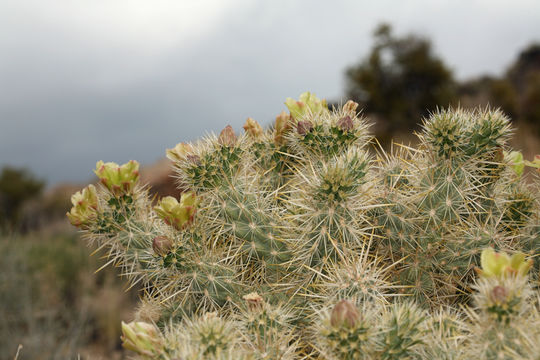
column 505, row 322
column 298, row 241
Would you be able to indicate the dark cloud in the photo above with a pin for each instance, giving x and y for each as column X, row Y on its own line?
column 77, row 87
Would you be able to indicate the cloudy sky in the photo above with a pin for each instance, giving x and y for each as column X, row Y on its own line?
column 115, row 80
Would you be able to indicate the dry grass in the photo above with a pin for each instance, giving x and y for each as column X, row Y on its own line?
column 53, row 303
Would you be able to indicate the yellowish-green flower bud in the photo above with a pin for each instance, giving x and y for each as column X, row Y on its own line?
column 344, row 314
column 499, row 264
column 227, row 137
column 253, row 128
column 85, row 205
column 118, row 179
column 308, row 104
column 516, row 161
column 177, row 214
column 535, row 163
column 179, row 152
column 142, row 338
column 283, row 125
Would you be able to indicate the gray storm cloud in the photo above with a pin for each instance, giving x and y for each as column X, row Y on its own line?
column 122, row 80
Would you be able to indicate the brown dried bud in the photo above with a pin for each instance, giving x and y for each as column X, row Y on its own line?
column 345, row 123
column 350, row 107
column 499, row 294
column 283, row 124
column 303, row 127
column 498, row 156
column 227, row 137
column 253, row 128
column 194, row 159
column 254, row 301
column 162, row 245
column 344, row 314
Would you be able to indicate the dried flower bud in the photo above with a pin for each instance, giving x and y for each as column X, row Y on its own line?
column 499, row 294
column 194, row 159
column 345, row 123
column 283, row 124
column 303, row 127
column 179, row 152
column 227, row 137
column 143, row 338
column 350, row 108
column 254, row 301
column 162, row 245
column 118, row 179
column 344, row 314
column 253, row 128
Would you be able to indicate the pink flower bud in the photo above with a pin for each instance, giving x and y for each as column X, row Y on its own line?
column 344, row 314
column 303, row 127
column 345, row 123
column 227, row 137
column 162, row 245
column 499, row 294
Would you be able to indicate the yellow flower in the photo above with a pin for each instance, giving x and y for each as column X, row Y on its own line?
column 516, row 161
column 143, row 338
column 179, row 152
column 308, row 104
column 177, row 214
column 85, row 205
column 499, row 264
column 118, row 179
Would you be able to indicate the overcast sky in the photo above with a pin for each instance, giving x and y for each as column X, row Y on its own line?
column 114, row 80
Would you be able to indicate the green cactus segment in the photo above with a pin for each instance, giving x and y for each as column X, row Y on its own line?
column 402, row 331
column 518, row 210
column 259, row 236
column 210, row 337
column 119, row 210
column 327, row 141
column 212, row 168
column 339, row 182
column 271, row 157
column 264, row 324
column 349, row 343
column 175, row 259
column 489, row 132
column 460, row 134
column 444, row 200
column 211, row 283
